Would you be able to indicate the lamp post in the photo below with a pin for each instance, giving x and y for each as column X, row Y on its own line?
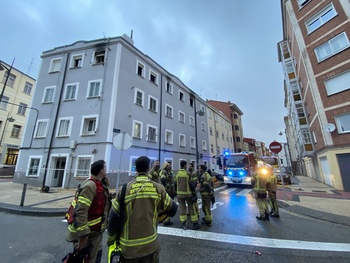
column 3, row 67
column 8, row 119
column 200, row 113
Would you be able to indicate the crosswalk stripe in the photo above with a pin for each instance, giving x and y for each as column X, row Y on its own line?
column 255, row 241
column 244, row 192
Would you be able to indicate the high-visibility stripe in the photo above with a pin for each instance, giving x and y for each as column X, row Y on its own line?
column 138, row 241
column 95, row 221
column 84, row 200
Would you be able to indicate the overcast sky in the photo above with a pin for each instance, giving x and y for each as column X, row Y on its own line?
column 223, row 50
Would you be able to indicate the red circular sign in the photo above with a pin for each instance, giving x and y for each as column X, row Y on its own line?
column 275, row 147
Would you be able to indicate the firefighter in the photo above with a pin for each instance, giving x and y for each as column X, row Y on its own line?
column 272, row 183
column 91, row 213
column 144, row 201
column 184, row 196
column 260, row 179
column 155, row 172
column 207, row 192
column 167, row 179
column 193, row 185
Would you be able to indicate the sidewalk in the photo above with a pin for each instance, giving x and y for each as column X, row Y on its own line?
column 305, row 196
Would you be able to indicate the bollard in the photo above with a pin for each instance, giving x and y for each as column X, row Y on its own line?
column 23, row 194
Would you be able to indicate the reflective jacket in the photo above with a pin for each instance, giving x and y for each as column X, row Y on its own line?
column 154, row 175
column 167, row 179
column 91, row 211
column 260, row 183
column 182, row 181
column 273, row 182
column 144, row 200
column 206, row 187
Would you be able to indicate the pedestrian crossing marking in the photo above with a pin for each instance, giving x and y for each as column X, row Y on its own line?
column 244, row 192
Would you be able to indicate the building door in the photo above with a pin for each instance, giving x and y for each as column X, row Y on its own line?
column 344, row 167
column 326, row 171
column 58, row 171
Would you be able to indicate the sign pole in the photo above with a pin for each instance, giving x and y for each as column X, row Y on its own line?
column 120, row 162
column 279, row 166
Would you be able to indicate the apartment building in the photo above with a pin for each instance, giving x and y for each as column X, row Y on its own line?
column 17, row 89
column 315, row 56
column 87, row 94
column 232, row 112
column 220, row 134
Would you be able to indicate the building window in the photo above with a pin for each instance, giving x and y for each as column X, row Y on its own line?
column 338, row 83
column 343, row 123
column 181, row 96
column 89, row 125
column 181, row 117
column 306, row 136
column 204, row 145
column 138, row 97
column 238, row 139
column 236, row 128
column 41, row 128
column 302, row 3
column 64, row 127
column 48, row 94
column 191, row 120
column 16, row 131
column 216, row 118
column 77, row 61
column 27, row 88
column 217, row 134
column 202, row 108
column 321, row 18
column 152, row 104
column 191, row 102
column 168, row 111
column 204, row 128
column 151, row 133
column 4, row 102
column 83, row 166
column 223, row 136
column 192, row 142
column 11, row 79
column 210, row 130
column 34, row 166
column 55, row 65
column 22, row 109
column 71, row 91
column 168, row 137
column 137, row 129
column 169, row 87
column 153, row 77
column 99, row 57
column 227, row 138
column 140, row 69
column 209, row 114
column 182, row 140
column 332, row 47
column 94, row 88
column 235, row 116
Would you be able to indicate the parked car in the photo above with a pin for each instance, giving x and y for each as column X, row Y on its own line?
column 286, row 176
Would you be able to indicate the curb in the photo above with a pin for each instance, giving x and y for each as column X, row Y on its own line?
column 29, row 211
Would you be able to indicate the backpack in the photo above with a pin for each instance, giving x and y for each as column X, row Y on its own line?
column 70, row 213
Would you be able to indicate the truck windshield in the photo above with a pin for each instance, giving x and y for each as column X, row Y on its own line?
column 237, row 161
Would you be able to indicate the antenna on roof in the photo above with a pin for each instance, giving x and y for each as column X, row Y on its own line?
column 30, row 66
column 131, row 33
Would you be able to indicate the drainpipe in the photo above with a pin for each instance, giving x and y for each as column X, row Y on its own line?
column 55, row 122
column 160, row 116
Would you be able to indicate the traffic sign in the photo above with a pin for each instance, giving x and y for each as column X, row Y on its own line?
column 122, row 141
column 275, row 147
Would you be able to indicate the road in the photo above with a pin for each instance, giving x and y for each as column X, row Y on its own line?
column 234, row 237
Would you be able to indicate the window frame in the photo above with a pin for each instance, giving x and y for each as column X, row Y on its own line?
column 134, row 122
column 204, row 145
column 95, row 57
column 84, row 128
column 88, row 96
column 46, row 89
column 87, row 170
column 76, row 84
column 52, row 67
column 182, row 119
column 191, row 121
column 38, row 126
column 166, row 111
column 69, row 128
column 330, row 46
column 37, row 168
column 183, row 96
column 152, row 73
column 135, row 97
column 338, row 122
column 143, row 66
column 16, row 131
column 150, row 104
column 27, row 86
column 22, row 108
column 149, row 126
column 74, row 59
column 319, row 16
column 169, row 88
column 203, row 126
column 192, row 142
column 182, row 140
column 166, row 133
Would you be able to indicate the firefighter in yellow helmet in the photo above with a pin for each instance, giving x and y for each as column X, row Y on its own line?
column 260, row 179
column 154, row 173
column 167, row 179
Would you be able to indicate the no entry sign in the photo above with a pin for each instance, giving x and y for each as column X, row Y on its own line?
column 275, row 147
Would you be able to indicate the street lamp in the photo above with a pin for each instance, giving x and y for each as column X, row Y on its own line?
column 200, row 113
column 8, row 119
column 3, row 67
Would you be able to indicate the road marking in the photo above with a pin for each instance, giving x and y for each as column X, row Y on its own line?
column 244, row 192
column 255, row 241
column 220, row 188
column 227, row 191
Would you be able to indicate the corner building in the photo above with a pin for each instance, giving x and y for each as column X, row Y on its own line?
column 315, row 56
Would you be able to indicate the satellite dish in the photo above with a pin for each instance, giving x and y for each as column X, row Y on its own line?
column 330, row 127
